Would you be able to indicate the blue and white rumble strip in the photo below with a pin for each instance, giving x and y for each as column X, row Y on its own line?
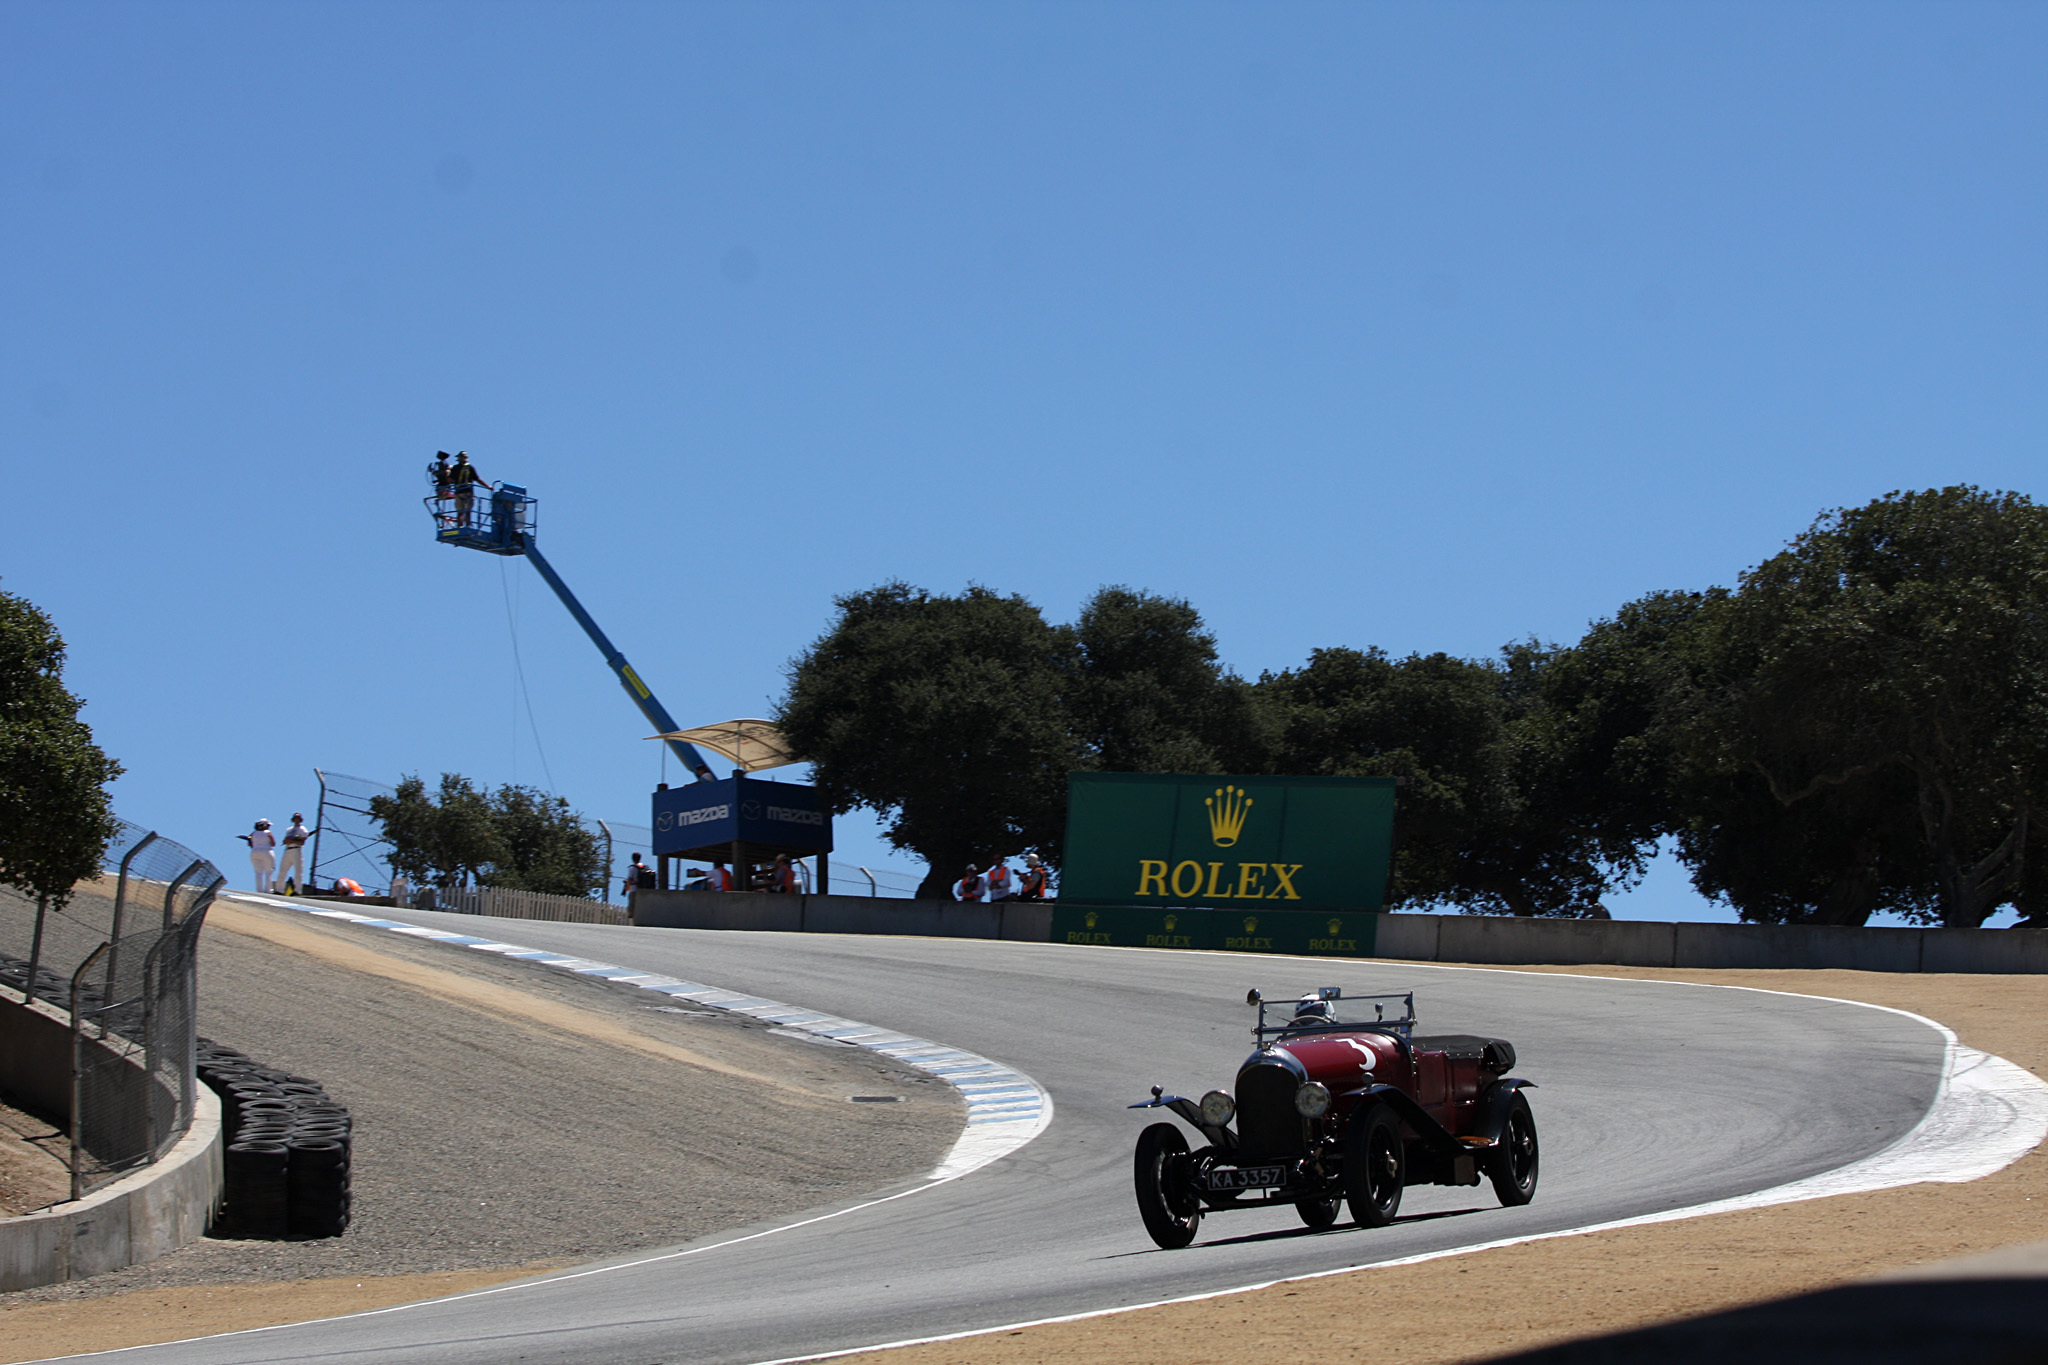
column 1005, row 1107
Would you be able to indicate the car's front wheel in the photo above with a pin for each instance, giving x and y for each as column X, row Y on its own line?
column 1375, row 1167
column 1166, row 1203
column 1513, row 1162
column 1319, row 1213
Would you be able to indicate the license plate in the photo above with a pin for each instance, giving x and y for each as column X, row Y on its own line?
column 1248, row 1178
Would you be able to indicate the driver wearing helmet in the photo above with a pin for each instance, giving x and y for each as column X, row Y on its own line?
column 1311, row 1010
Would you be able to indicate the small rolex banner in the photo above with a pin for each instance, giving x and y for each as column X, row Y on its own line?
column 1250, row 863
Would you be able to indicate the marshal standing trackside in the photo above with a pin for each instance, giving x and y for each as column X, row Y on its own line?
column 1330, row 1111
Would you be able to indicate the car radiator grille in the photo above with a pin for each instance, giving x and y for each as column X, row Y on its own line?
column 1267, row 1124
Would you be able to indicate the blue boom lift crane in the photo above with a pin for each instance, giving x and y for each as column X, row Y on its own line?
column 505, row 527
column 732, row 818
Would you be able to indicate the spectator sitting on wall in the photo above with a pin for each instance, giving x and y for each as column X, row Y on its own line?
column 1000, row 886
column 969, row 887
column 1033, row 888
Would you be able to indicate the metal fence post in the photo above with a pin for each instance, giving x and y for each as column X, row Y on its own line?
column 319, row 823
column 78, row 1074
column 120, row 907
column 171, row 891
column 872, row 891
column 35, row 951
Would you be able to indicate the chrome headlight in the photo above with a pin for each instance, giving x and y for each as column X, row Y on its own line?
column 1312, row 1101
column 1218, row 1109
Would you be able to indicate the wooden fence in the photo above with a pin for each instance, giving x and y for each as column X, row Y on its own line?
column 496, row 900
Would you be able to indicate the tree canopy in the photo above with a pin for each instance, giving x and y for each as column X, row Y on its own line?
column 517, row 838
column 948, row 715
column 1859, row 726
column 1884, row 680
column 55, row 819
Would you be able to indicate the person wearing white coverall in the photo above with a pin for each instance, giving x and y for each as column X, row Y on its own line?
column 260, row 843
column 289, row 865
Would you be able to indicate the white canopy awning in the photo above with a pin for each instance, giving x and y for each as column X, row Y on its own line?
column 750, row 745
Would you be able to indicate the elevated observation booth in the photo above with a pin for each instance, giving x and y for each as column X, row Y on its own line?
column 741, row 821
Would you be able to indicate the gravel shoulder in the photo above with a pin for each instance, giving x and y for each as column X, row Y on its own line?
column 509, row 1117
column 1489, row 1303
column 33, row 1157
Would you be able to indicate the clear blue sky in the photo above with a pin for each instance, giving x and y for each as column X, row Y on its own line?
column 1424, row 326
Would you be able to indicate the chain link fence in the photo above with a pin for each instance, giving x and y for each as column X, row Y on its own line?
column 349, row 842
column 119, row 962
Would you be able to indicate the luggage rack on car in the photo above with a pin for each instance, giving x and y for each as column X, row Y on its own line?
column 1404, row 1025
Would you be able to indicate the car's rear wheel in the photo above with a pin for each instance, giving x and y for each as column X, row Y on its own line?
column 1375, row 1166
column 1160, row 1172
column 1319, row 1213
column 1512, row 1164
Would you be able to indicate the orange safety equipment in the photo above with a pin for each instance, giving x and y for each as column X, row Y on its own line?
column 1032, row 888
column 968, row 888
column 785, row 879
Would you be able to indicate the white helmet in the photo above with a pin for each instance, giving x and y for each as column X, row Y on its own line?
column 1313, row 1010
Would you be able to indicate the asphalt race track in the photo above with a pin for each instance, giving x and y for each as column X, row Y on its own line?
column 1652, row 1096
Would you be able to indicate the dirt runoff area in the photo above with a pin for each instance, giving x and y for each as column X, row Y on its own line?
column 658, row 1124
column 1491, row 1303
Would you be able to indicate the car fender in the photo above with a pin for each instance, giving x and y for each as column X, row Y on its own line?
column 1425, row 1126
column 1190, row 1113
column 1494, row 1106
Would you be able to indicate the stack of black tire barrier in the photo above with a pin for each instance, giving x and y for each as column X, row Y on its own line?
column 288, row 1146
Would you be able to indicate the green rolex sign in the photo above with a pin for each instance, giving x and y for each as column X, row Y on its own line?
column 1274, row 864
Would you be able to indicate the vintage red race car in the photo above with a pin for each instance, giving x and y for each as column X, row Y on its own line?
column 1337, row 1108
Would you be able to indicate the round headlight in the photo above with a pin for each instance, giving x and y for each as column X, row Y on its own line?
column 1312, row 1101
column 1218, row 1109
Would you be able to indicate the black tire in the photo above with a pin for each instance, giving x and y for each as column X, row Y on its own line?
column 1512, row 1165
column 1160, row 1173
column 1319, row 1213
column 1375, row 1167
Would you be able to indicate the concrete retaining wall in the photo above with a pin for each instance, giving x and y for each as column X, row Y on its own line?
column 139, row 1217
column 1493, row 940
column 1028, row 921
column 35, row 1054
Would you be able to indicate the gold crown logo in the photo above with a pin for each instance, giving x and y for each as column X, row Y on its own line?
column 1090, row 919
column 1251, row 924
column 1171, row 921
column 1227, row 810
column 1336, row 927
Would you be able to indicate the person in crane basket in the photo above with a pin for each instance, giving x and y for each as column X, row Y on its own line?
column 444, row 486
column 465, row 480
